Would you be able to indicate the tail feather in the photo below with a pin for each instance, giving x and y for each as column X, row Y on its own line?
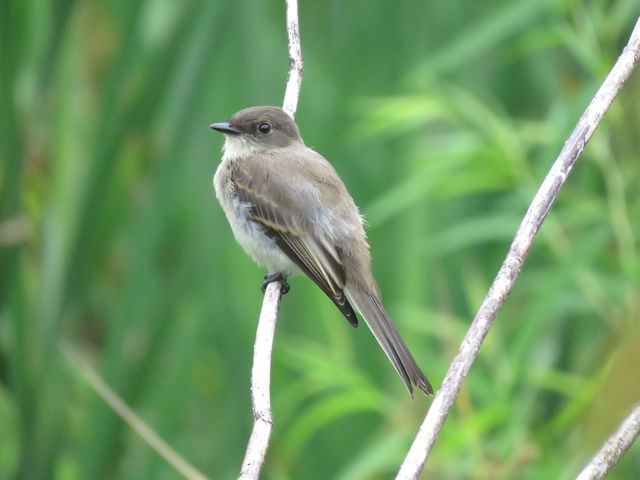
column 385, row 332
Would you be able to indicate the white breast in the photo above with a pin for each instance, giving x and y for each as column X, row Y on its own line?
column 248, row 234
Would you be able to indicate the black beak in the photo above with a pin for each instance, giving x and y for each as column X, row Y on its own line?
column 225, row 128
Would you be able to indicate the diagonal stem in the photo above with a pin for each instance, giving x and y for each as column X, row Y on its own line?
column 614, row 448
column 510, row 269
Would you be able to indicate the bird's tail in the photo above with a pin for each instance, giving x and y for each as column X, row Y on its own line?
column 370, row 308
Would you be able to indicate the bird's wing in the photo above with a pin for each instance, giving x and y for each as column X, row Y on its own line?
column 284, row 221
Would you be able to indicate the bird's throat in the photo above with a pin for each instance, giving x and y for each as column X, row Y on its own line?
column 237, row 147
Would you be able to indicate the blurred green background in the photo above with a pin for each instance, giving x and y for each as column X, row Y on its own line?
column 441, row 117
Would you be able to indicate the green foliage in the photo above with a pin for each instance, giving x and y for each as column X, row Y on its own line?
column 442, row 118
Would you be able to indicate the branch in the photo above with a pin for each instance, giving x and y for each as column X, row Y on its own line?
column 120, row 407
column 261, row 371
column 614, row 448
column 260, row 384
column 294, row 82
column 508, row 273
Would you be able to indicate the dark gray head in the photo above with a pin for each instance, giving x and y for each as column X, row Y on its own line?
column 261, row 126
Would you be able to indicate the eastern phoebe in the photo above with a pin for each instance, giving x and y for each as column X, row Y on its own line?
column 292, row 214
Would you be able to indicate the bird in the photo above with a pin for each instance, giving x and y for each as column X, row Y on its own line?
column 292, row 214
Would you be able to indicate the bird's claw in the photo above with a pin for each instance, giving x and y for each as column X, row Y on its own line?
column 276, row 277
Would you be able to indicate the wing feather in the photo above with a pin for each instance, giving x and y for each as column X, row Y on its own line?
column 312, row 253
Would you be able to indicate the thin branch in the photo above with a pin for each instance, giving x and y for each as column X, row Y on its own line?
column 614, row 448
column 294, row 82
column 506, row 277
column 125, row 412
column 261, row 371
column 260, row 384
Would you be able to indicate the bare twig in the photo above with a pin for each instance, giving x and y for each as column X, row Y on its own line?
column 506, row 277
column 294, row 81
column 260, row 384
column 261, row 372
column 125, row 412
column 614, row 448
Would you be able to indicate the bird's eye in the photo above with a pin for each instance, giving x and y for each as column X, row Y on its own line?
column 264, row 127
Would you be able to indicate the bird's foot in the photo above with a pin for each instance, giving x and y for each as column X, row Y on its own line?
column 276, row 277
